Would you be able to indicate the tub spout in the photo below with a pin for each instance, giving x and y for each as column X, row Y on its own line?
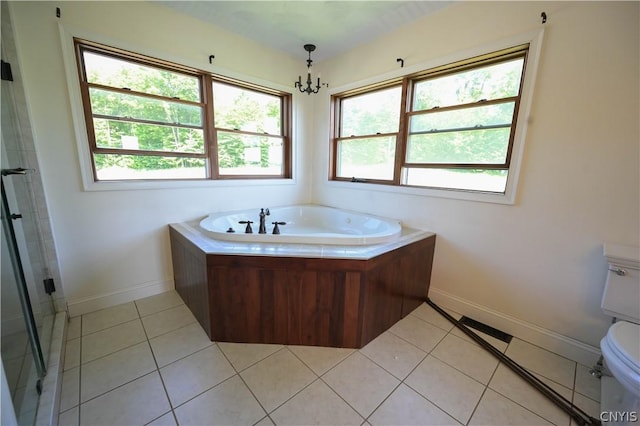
column 262, row 229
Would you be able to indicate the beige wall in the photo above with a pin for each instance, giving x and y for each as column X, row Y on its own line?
column 539, row 261
column 113, row 245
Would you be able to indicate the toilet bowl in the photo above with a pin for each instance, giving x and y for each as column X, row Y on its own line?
column 621, row 345
column 621, row 351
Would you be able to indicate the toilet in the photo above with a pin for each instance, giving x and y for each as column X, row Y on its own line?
column 620, row 398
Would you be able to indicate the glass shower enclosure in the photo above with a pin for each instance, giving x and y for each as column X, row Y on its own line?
column 27, row 309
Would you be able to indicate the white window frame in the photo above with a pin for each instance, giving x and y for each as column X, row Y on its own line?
column 534, row 39
column 67, row 34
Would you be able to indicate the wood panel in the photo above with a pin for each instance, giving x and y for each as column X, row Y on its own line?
column 416, row 266
column 301, row 301
column 190, row 278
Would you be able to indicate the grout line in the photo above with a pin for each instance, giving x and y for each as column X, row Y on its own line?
column 155, row 361
column 252, row 364
column 161, row 310
column 317, row 376
column 79, row 373
column 245, row 383
column 486, row 387
column 342, row 398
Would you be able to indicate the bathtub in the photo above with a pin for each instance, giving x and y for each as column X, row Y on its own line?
column 315, row 290
column 303, row 224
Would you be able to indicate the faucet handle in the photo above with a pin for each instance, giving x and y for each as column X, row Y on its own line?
column 266, row 211
column 248, row 229
column 276, row 230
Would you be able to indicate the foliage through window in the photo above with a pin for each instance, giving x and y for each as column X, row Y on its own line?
column 451, row 127
column 150, row 119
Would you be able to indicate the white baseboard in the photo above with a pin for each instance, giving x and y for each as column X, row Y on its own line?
column 95, row 303
column 570, row 348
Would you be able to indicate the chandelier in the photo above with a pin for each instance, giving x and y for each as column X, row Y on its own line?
column 309, row 89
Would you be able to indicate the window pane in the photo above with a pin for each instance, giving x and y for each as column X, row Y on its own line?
column 465, row 179
column 240, row 154
column 371, row 113
column 147, row 137
column 487, row 146
column 104, row 102
column 108, row 71
column 368, row 158
column 130, row 167
column 477, row 117
column 241, row 109
column 495, row 81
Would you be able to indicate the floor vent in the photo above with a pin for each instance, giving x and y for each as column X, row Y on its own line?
column 500, row 335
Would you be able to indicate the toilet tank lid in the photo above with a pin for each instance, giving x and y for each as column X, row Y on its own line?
column 622, row 254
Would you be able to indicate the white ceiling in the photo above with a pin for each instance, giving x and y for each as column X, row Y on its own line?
column 333, row 26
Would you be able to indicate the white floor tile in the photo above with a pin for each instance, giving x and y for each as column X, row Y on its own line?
column 277, row 378
column 266, row 421
column 430, row 315
column 360, row 382
column 168, row 320
column 112, row 339
column 72, row 354
column 114, row 370
column 394, row 354
column 587, row 405
column 471, row 359
column 74, row 327
column 406, row 407
column 135, row 403
column 510, row 385
column 131, row 363
column 586, row 384
column 177, row 344
column 320, row 359
column 105, row 318
column 452, row 391
column 229, row 403
column 243, row 355
column 159, row 302
column 194, row 374
column 70, row 417
column 317, row 404
column 164, row 420
column 419, row 333
column 559, row 369
column 495, row 409
column 70, row 391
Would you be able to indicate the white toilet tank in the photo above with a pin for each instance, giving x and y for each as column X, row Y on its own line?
column 621, row 297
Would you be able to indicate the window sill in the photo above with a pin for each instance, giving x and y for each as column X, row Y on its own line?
column 180, row 184
column 485, row 197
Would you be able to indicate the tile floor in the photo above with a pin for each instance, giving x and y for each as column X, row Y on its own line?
column 149, row 362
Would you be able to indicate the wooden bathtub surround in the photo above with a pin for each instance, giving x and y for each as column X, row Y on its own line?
column 297, row 300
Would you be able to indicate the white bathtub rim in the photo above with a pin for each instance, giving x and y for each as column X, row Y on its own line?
column 208, row 245
column 391, row 231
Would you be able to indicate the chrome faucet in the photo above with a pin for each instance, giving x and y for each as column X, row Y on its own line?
column 263, row 214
